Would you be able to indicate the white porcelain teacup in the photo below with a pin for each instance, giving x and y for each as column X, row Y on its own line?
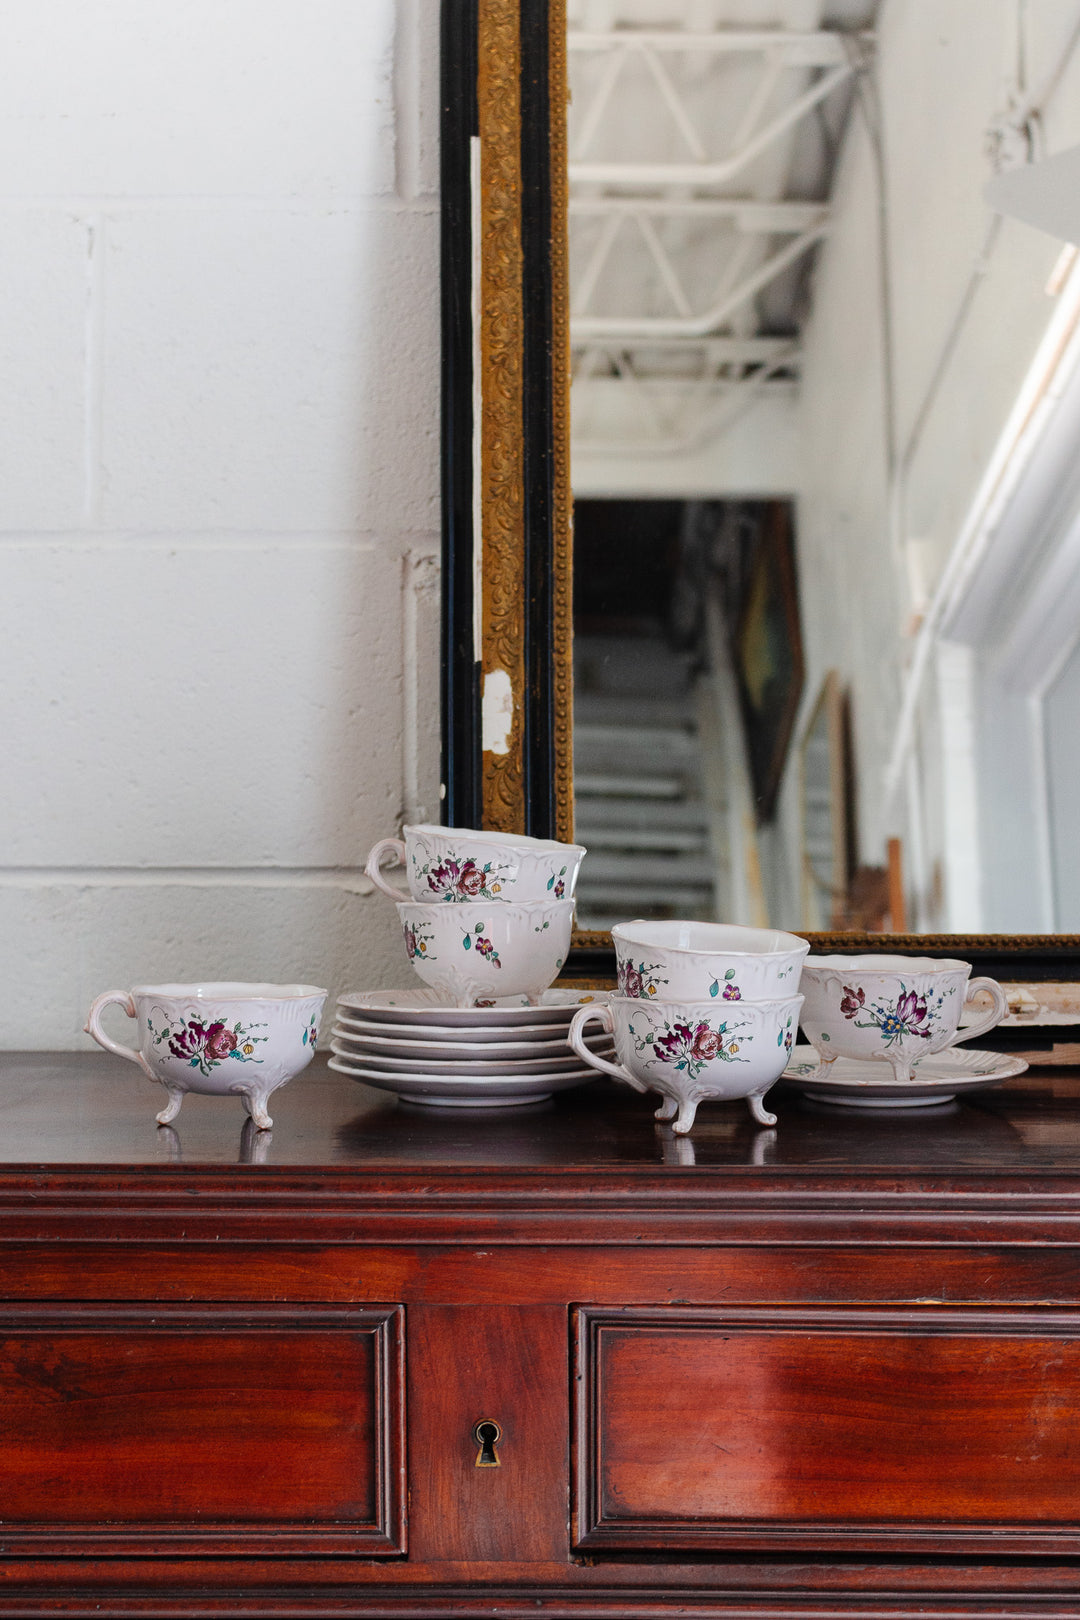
column 689, row 1052
column 464, row 864
column 481, row 949
column 698, row 961
column 893, row 1008
column 217, row 1039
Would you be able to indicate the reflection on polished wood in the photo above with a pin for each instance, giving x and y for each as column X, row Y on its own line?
column 69, row 1110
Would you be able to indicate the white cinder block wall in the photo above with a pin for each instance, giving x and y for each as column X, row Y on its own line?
column 218, row 490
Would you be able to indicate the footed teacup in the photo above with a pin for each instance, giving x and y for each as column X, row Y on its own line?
column 690, row 1052
column 894, row 1008
column 460, row 864
column 481, row 949
column 696, row 961
column 218, row 1039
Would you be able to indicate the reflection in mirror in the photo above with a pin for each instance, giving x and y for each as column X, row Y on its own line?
column 825, row 403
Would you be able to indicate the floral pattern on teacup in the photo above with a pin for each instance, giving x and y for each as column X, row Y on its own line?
column 458, row 878
column 556, row 884
column 640, row 982
column 417, row 942
column 477, row 940
column 911, row 1014
column 786, row 1037
column 205, row 1045
column 310, row 1037
column 731, row 991
column 690, row 1046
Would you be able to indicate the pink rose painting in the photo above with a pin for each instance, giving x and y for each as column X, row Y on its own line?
column 203, row 1046
column 639, row 982
column 462, row 879
column 691, row 1046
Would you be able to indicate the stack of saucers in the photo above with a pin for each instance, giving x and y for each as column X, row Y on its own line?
column 504, row 1055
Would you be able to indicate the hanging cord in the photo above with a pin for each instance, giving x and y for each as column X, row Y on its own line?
column 870, row 110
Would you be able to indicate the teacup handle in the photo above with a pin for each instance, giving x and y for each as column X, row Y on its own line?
column 997, row 1012
column 385, row 846
column 576, row 1038
column 93, row 1028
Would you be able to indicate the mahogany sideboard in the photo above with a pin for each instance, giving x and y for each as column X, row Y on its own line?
column 394, row 1362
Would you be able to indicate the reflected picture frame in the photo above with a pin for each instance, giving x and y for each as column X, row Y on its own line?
column 767, row 658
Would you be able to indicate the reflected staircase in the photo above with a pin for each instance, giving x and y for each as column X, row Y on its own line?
column 639, row 804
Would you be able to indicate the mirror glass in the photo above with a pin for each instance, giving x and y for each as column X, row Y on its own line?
column 825, row 403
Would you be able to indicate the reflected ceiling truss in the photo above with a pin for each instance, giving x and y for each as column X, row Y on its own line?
column 685, row 246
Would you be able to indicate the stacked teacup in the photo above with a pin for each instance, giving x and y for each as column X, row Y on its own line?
column 489, row 915
column 703, row 1010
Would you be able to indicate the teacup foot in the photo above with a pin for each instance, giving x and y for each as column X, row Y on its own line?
column 901, row 1068
column 687, row 1112
column 757, row 1107
column 172, row 1107
column 255, row 1103
column 668, row 1108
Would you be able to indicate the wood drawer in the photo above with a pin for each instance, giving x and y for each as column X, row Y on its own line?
column 921, row 1430
column 205, row 1429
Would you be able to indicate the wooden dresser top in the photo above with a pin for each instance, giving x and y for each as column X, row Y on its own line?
column 62, row 1114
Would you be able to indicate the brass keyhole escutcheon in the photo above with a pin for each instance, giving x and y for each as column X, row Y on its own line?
column 487, row 1435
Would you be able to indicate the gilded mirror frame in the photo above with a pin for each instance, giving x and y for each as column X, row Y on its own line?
column 506, row 607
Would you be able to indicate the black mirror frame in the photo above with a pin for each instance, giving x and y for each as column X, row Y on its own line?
column 502, row 64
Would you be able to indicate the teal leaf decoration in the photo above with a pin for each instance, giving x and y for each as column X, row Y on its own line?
column 730, row 974
column 467, row 942
column 714, row 989
column 551, row 881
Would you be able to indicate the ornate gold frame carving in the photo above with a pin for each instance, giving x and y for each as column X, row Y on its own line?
column 501, row 392
column 502, row 496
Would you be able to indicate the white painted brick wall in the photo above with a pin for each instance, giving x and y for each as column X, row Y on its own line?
column 218, row 490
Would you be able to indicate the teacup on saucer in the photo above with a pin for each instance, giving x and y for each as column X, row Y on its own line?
column 895, row 1009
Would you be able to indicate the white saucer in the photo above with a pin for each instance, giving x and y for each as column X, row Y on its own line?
column 465, row 1091
column 466, row 1068
column 467, row 1052
column 462, row 1034
column 428, row 1007
column 864, row 1083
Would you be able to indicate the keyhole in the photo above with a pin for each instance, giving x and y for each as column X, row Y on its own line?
column 487, row 1434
